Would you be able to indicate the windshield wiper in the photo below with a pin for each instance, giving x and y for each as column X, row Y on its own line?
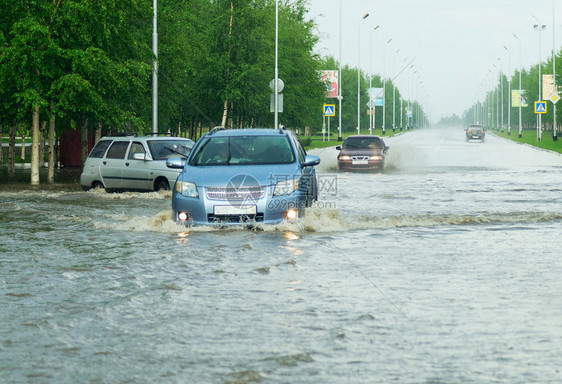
column 175, row 151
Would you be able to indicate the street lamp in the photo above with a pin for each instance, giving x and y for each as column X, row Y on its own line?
column 410, row 95
column 340, row 97
column 508, row 92
column 496, row 90
column 539, row 28
column 520, row 96
column 554, row 135
column 501, row 90
column 371, row 114
column 276, row 86
column 394, row 93
column 359, row 73
column 155, row 70
column 492, row 95
column 384, row 87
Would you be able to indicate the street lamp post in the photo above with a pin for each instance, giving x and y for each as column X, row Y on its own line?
column 384, row 87
column 520, row 96
column 371, row 118
column 508, row 91
column 497, row 92
column 539, row 28
column 492, row 95
column 554, row 135
column 359, row 73
column 401, row 112
column 501, row 90
column 155, row 70
column 340, row 97
column 394, row 93
column 276, row 86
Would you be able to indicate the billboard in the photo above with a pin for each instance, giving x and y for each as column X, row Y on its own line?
column 547, row 86
column 330, row 78
column 377, row 95
column 518, row 98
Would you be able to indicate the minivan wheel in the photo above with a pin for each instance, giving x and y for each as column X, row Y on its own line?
column 161, row 185
column 97, row 185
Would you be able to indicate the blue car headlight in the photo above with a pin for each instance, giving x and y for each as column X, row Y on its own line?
column 286, row 187
column 187, row 188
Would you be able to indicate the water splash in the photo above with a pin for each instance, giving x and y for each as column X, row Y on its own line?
column 322, row 220
column 156, row 195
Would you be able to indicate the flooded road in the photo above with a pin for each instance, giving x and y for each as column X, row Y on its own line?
column 446, row 268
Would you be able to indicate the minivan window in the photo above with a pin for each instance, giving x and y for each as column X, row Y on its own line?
column 165, row 149
column 99, row 150
column 117, row 150
column 135, row 148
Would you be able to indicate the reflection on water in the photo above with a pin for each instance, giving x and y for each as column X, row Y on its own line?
column 444, row 268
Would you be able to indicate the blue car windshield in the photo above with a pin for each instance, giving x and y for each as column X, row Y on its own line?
column 243, row 150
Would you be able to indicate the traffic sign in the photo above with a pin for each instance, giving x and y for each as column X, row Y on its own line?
column 329, row 109
column 554, row 97
column 540, row 106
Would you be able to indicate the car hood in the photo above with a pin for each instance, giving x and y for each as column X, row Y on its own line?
column 222, row 176
column 361, row 151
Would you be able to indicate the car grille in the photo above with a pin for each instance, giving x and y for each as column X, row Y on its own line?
column 241, row 193
column 258, row 218
column 359, row 157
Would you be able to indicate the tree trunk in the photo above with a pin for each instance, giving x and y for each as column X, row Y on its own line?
column 83, row 142
column 225, row 106
column 230, row 121
column 1, row 150
column 35, row 148
column 42, row 139
column 224, row 114
column 22, row 144
column 97, row 133
column 11, row 149
column 51, row 169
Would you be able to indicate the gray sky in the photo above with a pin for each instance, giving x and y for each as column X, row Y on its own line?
column 454, row 43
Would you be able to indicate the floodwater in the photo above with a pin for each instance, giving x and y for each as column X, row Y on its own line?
column 446, row 268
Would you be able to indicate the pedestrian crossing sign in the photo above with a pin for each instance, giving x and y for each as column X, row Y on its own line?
column 540, row 106
column 329, row 109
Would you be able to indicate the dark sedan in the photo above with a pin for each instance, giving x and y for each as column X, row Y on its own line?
column 362, row 153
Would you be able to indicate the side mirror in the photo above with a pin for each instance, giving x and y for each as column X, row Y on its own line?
column 338, row 147
column 175, row 163
column 139, row 156
column 311, row 160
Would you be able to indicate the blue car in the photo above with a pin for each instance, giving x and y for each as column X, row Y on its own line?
column 244, row 176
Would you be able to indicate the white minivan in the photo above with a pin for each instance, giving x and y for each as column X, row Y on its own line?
column 133, row 163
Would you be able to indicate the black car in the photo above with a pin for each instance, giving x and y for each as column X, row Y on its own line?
column 362, row 153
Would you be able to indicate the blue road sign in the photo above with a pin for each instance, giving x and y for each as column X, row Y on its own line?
column 329, row 109
column 540, row 106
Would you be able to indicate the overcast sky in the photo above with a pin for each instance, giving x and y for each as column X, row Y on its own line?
column 454, row 43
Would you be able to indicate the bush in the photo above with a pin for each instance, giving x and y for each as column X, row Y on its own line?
column 305, row 141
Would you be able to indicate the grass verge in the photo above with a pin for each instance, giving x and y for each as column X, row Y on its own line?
column 529, row 136
column 316, row 141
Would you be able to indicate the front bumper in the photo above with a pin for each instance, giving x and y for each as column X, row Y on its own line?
column 205, row 211
column 371, row 165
